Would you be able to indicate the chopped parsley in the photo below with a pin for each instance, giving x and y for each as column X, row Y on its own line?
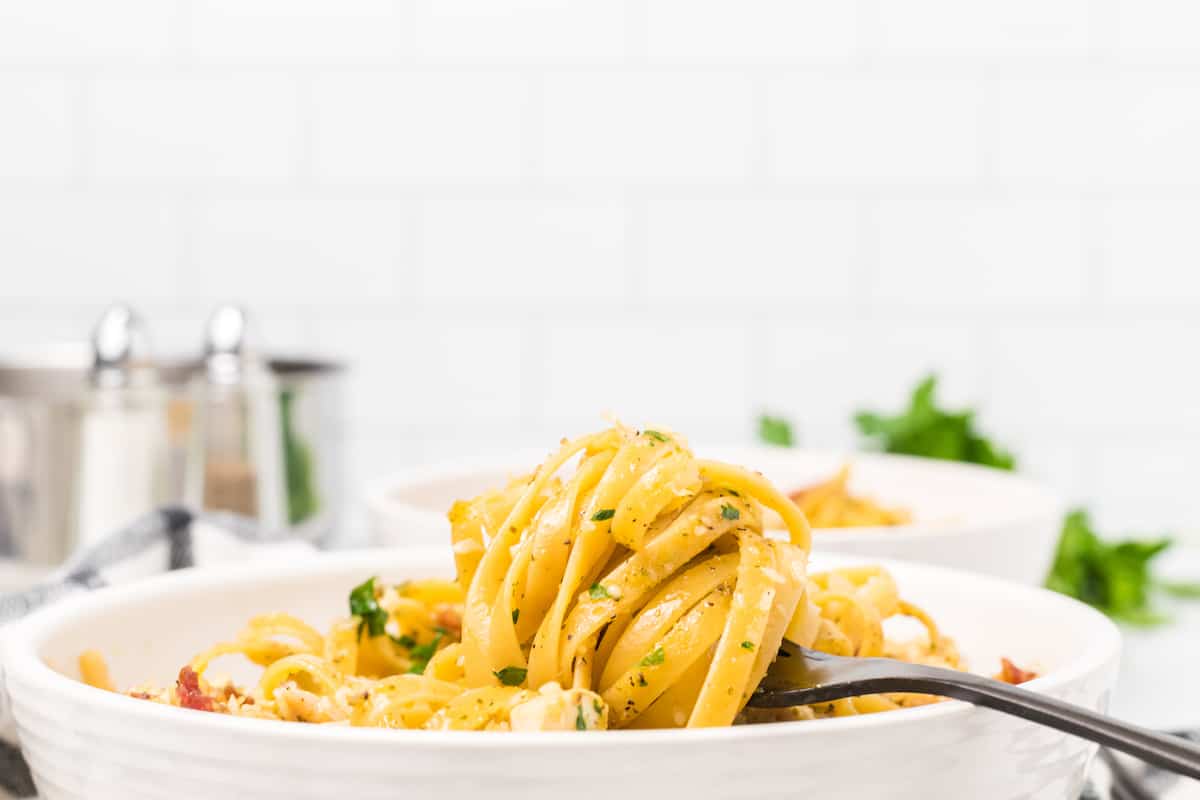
column 603, row 514
column 596, row 705
column 422, row 653
column 364, row 606
column 747, row 645
column 511, row 676
column 597, row 592
column 516, row 615
column 657, row 436
column 580, row 722
column 729, row 512
column 642, row 680
column 656, row 657
column 405, row 641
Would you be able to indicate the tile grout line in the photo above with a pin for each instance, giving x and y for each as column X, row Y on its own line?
column 533, row 373
column 637, row 245
column 760, row 157
column 83, row 167
column 1095, row 211
column 532, row 140
column 179, row 33
column 306, row 125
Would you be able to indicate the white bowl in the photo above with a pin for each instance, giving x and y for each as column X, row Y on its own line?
column 85, row 743
column 964, row 516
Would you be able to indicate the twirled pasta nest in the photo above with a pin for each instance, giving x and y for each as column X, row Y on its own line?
column 624, row 583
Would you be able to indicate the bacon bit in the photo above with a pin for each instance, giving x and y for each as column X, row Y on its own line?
column 1011, row 673
column 188, row 689
column 448, row 617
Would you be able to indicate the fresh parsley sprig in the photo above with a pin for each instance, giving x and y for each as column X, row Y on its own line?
column 775, row 430
column 926, row 430
column 1114, row 577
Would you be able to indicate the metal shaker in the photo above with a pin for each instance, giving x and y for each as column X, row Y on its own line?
column 122, row 430
column 93, row 432
column 81, row 441
column 236, row 461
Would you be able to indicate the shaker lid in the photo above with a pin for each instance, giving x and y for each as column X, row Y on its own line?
column 230, row 350
column 120, row 349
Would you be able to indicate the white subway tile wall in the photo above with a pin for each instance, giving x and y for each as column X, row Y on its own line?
column 512, row 216
column 37, row 138
column 190, row 126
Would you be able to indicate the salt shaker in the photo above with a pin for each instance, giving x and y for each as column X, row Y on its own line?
column 122, row 446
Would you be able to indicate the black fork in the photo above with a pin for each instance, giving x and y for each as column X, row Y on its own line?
column 800, row 676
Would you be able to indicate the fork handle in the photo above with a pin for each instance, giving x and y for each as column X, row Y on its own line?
column 1173, row 753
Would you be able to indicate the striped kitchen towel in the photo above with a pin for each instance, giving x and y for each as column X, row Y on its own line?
column 165, row 540
column 1120, row 777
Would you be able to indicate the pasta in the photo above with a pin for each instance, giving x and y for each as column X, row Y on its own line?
column 623, row 584
column 829, row 504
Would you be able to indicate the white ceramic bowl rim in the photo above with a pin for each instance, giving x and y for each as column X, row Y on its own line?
column 21, row 644
column 1040, row 501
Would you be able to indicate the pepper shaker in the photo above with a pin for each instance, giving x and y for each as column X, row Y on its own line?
column 236, row 458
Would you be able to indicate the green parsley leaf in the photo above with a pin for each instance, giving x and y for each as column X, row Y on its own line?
column 926, row 430
column 642, row 680
column 511, row 676
column 775, row 430
column 1114, row 577
column 580, row 722
column 516, row 615
column 1189, row 591
column 364, row 606
column 421, row 654
column 599, row 709
column 656, row 435
column 603, row 514
column 405, row 641
column 729, row 512
column 656, row 657
column 597, row 592
column 747, row 645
